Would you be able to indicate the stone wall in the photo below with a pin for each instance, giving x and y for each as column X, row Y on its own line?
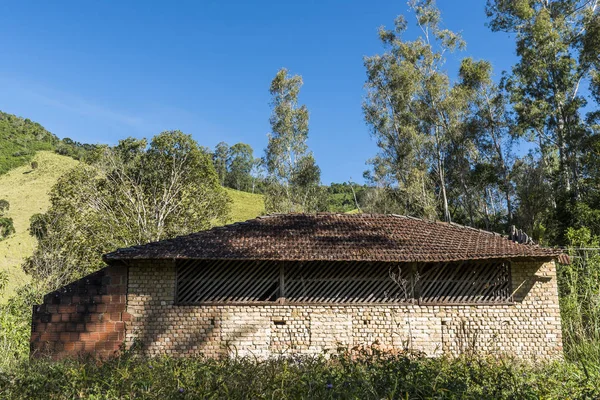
column 529, row 328
column 86, row 316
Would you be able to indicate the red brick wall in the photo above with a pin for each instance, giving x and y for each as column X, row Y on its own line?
column 86, row 316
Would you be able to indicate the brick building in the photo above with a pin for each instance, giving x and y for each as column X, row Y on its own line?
column 306, row 284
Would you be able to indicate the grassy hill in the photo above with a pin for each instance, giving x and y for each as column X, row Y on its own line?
column 20, row 139
column 245, row 205
column 27, row 190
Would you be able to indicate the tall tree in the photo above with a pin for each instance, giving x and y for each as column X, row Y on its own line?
column 411, row 108
column 490, row 127
column 557, row 45
column 239, row 166
column 257, row 174
column 293, row 176
column 220, row 157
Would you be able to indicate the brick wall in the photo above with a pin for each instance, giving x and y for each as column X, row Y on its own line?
column 529, row 328
column 86, row 316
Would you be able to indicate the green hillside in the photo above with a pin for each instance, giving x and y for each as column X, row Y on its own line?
column 20, row 139
column 245, row 205
column 27, row 190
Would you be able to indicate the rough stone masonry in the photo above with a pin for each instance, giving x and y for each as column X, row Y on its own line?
column 121, row 305
column 134, row 299
column 529, row 328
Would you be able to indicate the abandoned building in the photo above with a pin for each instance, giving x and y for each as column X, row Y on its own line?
column 308, row 284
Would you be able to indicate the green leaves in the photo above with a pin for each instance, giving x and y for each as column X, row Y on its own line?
column 293, row 182
column 136, row 193
column 4, row 207
column 414, row 113
column 6, row 227
column 6, row 224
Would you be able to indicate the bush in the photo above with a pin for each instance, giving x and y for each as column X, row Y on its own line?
column 370, row 376
column 4, row 206
column 7, row 227
column 579, row 288
column 15, row 324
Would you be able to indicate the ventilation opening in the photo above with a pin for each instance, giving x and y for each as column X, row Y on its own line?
column 482, row 282
column 227, row 281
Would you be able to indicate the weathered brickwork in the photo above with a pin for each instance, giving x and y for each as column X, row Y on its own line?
column 86, row 316
column 529, row 328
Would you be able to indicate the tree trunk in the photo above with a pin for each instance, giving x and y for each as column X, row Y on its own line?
column 443, row 187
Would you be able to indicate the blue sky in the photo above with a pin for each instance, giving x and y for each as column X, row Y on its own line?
column 101, row 71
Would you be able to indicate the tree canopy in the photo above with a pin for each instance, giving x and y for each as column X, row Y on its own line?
column 134, row 193
column 293, row 177
column 448, row 141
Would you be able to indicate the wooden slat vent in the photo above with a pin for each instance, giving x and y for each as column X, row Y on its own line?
column 227, row 281
column 224, row 281
column 485, row 282
column 351, row 282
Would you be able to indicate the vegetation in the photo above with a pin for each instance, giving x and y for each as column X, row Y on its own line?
column 27, row 192
column 244, row 206
column 237, row 168
column 447, row 144
column 134, row 193
column 20, row 139
column 579, row 285
column 372, row 375
column 7, row 227
column 293, row 177
column 345, row 197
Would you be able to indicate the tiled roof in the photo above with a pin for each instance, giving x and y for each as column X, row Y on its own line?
column 340, row 237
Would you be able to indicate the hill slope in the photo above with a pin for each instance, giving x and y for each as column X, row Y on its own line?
column 27, row 192
column 245, row 205
column 20, row 139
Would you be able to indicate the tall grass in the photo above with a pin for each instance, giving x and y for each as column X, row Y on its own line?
column 579, row 293
column 372, row 375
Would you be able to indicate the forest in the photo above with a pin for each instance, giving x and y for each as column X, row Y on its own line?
column 482, row 148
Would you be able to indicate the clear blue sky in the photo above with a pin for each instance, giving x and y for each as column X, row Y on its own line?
column 101, row 71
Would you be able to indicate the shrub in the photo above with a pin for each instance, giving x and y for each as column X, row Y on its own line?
column 15, row 324
column 7, row 227
column 370, row 376
column 4, row 206
column 38, row 225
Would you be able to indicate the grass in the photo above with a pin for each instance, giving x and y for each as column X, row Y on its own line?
column 245, row 205
column 27, row 191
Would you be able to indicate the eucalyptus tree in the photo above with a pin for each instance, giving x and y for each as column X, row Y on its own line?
column 491, row 128
column 257, row 175
column 220, row 157
column 293, row 176
column 412, row 109
column 557, row 42
column 240, row 161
